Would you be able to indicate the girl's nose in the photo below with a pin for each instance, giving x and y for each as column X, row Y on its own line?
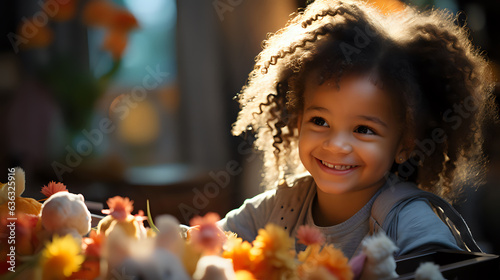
column 339, row 143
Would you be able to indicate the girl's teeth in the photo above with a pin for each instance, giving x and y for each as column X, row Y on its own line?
column 342, row 167
column 337, row 167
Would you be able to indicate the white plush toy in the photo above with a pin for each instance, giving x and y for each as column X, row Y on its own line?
column 428, row 271
column 379, row 262
column 160, row 265
column 169, row 236
column 214, row 268
column 165, row 261
column 66, row 213
column 149, row 259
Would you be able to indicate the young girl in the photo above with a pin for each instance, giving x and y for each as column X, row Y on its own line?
column 354, row 98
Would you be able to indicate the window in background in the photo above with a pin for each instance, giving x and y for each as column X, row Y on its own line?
column 143, row 100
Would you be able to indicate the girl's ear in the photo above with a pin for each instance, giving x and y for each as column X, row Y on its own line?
column 405, row 148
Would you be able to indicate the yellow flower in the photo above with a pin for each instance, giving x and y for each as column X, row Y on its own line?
column 329, row 258
column 274, row 254
column 61, row 258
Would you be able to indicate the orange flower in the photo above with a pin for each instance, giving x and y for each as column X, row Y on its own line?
column 25, row 233
column 239, row 251
column 65, row 10
column 244, row 275
column 52, row 188
column 35, row 36
column 106, row 14
column 206, row 234
column 330, row 258
column 118, row 21
column 119, row 207
column 308, row 235
column 92, row 245
column 98, row 12
column 115, row 42
column 90, row 269
column 123, row 20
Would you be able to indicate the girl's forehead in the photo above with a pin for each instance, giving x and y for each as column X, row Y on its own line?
column 354, row 93
column 352, row 82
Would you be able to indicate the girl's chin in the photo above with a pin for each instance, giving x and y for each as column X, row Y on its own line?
column 333, row 188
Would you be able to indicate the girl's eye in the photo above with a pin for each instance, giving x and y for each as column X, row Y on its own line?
column 319, row 121
column 364, row 130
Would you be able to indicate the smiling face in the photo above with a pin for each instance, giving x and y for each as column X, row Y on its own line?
column 349, row 135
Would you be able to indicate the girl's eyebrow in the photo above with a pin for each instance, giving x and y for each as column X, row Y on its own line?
column 317, row 108
column 368, row 118
column 374, row 119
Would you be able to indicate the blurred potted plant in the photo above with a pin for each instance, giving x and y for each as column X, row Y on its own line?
column 76, row 89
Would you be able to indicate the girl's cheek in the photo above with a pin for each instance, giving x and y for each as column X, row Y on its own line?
column 381, row 156
column 310, row 136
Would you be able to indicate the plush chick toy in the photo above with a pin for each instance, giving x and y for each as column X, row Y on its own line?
column 119, row 214
column 25, row 205
column 25, row 209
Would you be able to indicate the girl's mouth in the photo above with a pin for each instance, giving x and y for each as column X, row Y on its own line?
column 339, row 167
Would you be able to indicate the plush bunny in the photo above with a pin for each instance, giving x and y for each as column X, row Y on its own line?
column 66, row 213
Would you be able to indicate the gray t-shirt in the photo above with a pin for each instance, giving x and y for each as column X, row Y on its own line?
column 418, row 227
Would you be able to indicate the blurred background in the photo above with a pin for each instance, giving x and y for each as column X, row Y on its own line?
column 135, row 98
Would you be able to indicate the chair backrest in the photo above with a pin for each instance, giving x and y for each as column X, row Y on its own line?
column 397, row 195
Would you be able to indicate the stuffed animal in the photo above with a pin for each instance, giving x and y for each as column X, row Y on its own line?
column 150, row 259
column 26, row 205
column 119, row 214
column 169, row 236
column 160, row 265
column 66, row 213
column 428, row 271
column 25, row 210
column 214, row 268
column 377, row 259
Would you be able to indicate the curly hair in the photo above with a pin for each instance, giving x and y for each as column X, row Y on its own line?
column 423, row 59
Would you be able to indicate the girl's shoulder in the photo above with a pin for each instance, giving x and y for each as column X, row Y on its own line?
column 413, row 216
column 300, row 190
column 300, row 183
